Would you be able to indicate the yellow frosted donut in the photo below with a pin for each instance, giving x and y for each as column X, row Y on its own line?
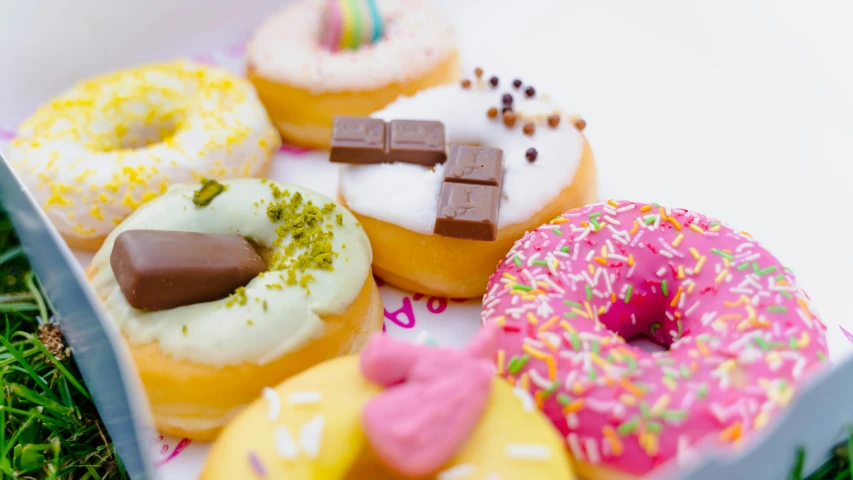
column 304, row 85
column 315, row 426
column 95, row 153
column 201, row 363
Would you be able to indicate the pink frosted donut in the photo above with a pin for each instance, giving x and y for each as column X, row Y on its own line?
column 739, row 330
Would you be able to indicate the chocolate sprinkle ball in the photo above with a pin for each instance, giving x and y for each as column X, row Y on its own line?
column 553, row 121
column 580, row 124
column 466, row 83
column 507, row 99
column 478, row 72
column 516, row 83
column 529, row 128
column 530, row 92
column 493, row 82
column 509, row 119
column 492, row 113
column 531, row 155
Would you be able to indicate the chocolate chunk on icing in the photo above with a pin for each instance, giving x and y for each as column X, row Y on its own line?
column 468, row 211
column 416, row 141
column 363, row 140
column 359, row 140
column 159, row 270
column 478, row 165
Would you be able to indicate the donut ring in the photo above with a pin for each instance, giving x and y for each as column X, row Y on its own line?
column 304, row 85
column 740, row 332
column 109, row 144
column 201, row 363
column 397, row 203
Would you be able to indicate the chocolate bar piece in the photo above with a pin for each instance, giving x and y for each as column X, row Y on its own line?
column 362, row 140
column 158, row 270
column 359, row 140
column 416, row 141
column 477, row 165
column 468, row 211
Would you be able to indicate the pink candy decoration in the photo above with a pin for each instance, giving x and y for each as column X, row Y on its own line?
column 435, row 398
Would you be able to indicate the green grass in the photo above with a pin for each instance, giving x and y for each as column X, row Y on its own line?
column 49, row 428
column 837, row 467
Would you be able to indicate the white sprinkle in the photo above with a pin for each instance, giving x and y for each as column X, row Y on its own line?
column 572, row 421
column 527, row 402
column 630, row 271
column 661, row 271
column 457, row 472
column 575, row 446
column 311, row 436
column 752, row 257
column 690, row 310
column 301, row 398
column 607, row 209
column 274, row 402
column 528, row 451
column 665, row 253
column 592, row 450
column 612, row 220
column 799, row 367
column 532, row 258
column 590, row 255
column 583, row 235
column 284, row 444
column 625, row 208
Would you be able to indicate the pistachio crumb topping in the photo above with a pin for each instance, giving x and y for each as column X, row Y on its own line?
column 209, row 190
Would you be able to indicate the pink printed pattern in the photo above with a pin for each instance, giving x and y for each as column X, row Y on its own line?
column 740, row 331
column 169, row 453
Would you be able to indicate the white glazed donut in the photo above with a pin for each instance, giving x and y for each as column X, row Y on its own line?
column 405, row 196
column 304, row 85
column 98, row 151
column 200, row 363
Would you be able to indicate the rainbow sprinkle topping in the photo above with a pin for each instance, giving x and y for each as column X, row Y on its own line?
column 349, row 24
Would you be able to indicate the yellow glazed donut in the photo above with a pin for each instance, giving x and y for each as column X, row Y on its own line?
column 337, row 421
column 304, row 84
column 201, row 363
column 109, row 144
column 546, row 171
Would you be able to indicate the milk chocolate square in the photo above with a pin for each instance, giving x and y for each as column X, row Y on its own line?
column 358, row 140
column 416, row 141
column 477, row 165
column 468, row 211
column 159, row 270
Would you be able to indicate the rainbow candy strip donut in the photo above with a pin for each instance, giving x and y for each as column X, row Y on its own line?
column 350, row 24
column 740, row 331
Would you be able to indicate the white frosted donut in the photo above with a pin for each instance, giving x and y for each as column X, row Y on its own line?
column 548, row 167
column 201, row 363
column 287, row 49
column 98, row 151
column 527, row 187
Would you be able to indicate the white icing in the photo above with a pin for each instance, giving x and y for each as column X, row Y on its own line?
column 219, row 335
column 286, row 48
column 68, row 155
column 407, row 195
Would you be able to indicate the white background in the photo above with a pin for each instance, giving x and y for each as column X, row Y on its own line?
column 739, row 109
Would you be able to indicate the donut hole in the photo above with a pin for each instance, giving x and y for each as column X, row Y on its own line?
column 646, row 343
column 132, row 124
column 137, row 135
column 266, row 253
